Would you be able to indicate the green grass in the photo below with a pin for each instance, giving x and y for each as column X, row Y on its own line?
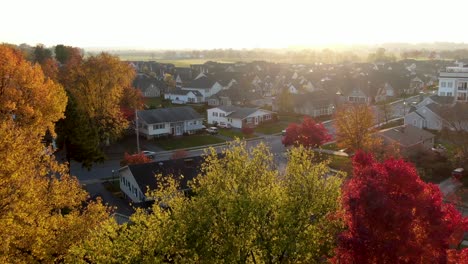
column 156, row 102
column 291, row 118
column 271, row 128
column 331, row 146
column 232, row 133
column 187, row 141
column 339, row 163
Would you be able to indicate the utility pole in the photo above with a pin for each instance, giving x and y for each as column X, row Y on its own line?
column 137, row 134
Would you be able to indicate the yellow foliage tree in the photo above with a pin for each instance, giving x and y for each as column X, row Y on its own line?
column 243, row 211
column 355, row 127
column 97, row 87
column 42, row 208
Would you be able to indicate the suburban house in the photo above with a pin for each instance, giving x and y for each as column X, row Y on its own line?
column 437, row 116
column 408, row 138
column 453, row 82
column 205, row 85
column 179, row 96
column 137, row 179
column 426, row 116
column 149, row 86
column 358, row 96
column 239, row 117
column 384, row 92
column 415, row 86
column 169, row 121
column 436, row 99
column 313, row 104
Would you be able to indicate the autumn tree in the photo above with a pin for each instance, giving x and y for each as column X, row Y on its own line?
column 394, row 217
column 43, row 209
column 354, row 127
column 41, row 54
column 169, row 80
column 96, row 88
column 284, row 101
column 308, row 134
column 138, row 158
column 242, row 211
column 26, row 96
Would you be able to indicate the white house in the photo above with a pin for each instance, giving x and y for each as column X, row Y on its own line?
column 358, row 96
column 239, row 117
column 169, row 121
column 453, row 82
column 137, row 179
column 205, row 85
column 179, row 96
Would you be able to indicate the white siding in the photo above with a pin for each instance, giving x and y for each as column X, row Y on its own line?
column 217, row 117
column 129, row 186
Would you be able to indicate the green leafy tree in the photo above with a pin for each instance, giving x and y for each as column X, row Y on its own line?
column 242, row 210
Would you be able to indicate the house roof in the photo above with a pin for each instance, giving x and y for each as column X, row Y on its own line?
column 185, row 92
column 172, row 114
column 457, row 112
column 442, row 99
column 238, row 112
column 406, row 135
column 317, row 99
column 143, row 82
column 144, row 174
column 202, row 82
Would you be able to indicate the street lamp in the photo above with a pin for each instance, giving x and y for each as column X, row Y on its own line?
column 404, row 107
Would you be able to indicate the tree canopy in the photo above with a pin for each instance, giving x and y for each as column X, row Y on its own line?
column 43, row 209
column 394, row 217
column 354, row 127
column 308, row 134
column 241, row 210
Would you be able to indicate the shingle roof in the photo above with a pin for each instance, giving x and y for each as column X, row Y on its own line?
column 185, row 92
column 457, row 112
column 202, row 82
column 172, row 114
column 238, row 112
column 406, row 135
column 144, row 174
column 443, row 99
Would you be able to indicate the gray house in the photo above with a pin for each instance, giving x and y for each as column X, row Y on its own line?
column 425, row 117
column 169, row 121
column 409, row 138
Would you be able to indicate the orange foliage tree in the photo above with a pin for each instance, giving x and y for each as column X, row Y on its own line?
column 138, row 158
column 43, row 209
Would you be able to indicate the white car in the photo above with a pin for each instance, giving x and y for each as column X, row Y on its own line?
column 224, row 125
column 212, row 130
column 149, row 154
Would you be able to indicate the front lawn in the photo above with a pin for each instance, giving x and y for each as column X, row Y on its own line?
column 187, row 141
column 233, row 133
column 271, row 128
column 157, row 102
column 340, row 163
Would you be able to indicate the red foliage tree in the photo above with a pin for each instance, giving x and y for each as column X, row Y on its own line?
column 308, row 134
column 395, row 217
column 139, row 158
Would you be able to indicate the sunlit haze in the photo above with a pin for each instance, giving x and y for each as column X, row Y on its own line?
column 181, row 24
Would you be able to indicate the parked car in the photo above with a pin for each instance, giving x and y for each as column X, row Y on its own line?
column 458, row 173
column 283, row 132
column 224, row 125
column 149, row 154
column 212, row 130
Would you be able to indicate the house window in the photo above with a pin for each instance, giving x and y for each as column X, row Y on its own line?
column 443, row 84
column 222, row 114
column 449, row 94
column 215, row 113
column 158, row 126
column 191, row 100
column 267, row 117
column 415, row 122
column 462, row 86
column 449, row 84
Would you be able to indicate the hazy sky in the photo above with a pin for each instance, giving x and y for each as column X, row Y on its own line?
column 230, row 24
